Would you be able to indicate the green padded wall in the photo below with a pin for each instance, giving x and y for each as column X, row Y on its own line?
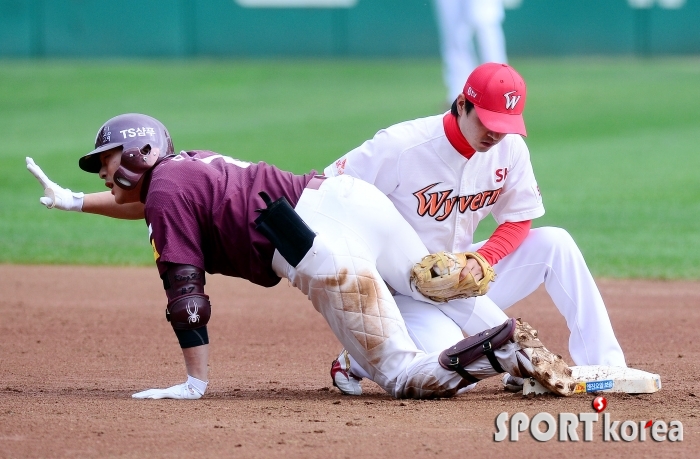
column 370, row 28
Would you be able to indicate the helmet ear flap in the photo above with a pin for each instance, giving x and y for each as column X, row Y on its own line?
column 134, row 163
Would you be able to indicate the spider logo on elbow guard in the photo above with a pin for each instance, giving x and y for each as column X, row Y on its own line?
column 194, row 317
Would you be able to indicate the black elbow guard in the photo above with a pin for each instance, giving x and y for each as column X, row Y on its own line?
column 188, row 307
column 188, row 312
column 180, row 280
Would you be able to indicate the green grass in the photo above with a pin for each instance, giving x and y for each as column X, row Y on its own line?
column 613, row 143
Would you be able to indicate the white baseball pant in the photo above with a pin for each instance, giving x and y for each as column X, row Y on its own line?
column 551, row 257
column 547, row 256
column 361, row 242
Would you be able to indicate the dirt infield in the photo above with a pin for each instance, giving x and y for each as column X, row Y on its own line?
column 76, row 342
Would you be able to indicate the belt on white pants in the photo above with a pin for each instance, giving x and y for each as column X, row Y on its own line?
column 315, row 182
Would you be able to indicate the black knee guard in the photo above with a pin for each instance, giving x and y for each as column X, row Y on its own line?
column 473, row 348
column 290, row 235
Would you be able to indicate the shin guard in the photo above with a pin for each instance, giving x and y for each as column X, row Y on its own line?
column 473, row 348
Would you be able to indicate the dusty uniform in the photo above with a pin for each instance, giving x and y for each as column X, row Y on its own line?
column 444, row 196
column 200, row 210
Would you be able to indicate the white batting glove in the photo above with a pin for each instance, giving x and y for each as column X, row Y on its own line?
column 55, row 195
column 192, row 389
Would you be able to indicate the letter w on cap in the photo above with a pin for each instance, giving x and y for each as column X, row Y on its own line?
column 511, row 102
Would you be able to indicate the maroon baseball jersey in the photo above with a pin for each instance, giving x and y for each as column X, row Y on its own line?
column 200, row 210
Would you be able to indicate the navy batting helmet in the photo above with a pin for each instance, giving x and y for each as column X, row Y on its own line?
column 144, row 142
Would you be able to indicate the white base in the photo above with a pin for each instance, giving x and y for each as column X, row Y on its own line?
column 602, row 378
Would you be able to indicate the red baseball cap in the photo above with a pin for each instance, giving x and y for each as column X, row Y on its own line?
column 498, row 93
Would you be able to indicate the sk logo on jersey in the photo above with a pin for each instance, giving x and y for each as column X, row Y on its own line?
column 511, row 102
column 433, row 203
column 340, row 165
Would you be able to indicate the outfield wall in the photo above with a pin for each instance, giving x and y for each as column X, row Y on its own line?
column 330, row 28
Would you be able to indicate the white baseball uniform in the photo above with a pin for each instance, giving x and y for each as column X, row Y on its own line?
column 362, row 242
column 444, row 196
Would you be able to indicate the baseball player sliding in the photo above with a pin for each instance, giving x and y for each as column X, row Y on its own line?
column 339, row 240
column 446, row 173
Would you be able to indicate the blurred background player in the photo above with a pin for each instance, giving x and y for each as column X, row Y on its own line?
column 465, row 26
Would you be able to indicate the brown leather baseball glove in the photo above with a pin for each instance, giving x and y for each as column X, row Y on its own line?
column 437, row 276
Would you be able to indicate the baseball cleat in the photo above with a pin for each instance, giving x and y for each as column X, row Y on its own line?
column 346, row 382
column 537, row 361
column 512, row 383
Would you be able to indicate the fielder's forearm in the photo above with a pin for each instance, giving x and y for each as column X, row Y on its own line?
column 103, row 204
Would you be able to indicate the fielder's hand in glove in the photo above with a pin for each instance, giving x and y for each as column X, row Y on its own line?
column 445, row 276
column 192, row 389
column 55, row 195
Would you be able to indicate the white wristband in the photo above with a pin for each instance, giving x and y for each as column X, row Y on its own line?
column 78, row 199
column 62, row 198
column 197, row 384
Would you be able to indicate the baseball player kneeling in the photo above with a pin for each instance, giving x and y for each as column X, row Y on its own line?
column 445, row 174
column 339, row 240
